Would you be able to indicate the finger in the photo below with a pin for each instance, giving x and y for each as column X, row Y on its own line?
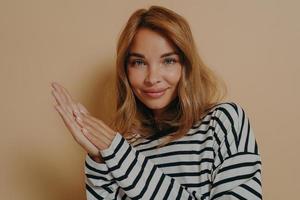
column 58, row 89
column 60, row 112
column 64, row 98
column 78, row 114
column 56, row 97
column 66, row 94
column 70, row 101
column 87, row 121
column 87, row 124
column 96, row 123
column 90, row 137
column 79, row 121
column 65, row 116
column 97, row 139
column 61, row 102
column 69, row 121
column 82, row 108
column 88, row 116
column 83, row 122
column 77, row 132
column 75, row 110
column 68, row 98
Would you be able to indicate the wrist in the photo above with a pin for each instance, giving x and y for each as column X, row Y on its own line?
column 112, row 136
column 97, row 159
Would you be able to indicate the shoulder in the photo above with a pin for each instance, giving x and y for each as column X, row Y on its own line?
column 232, row 128
column 229, row 114
column 224, row 114
column 228, row 121
column 222, row 120
column 230, row 109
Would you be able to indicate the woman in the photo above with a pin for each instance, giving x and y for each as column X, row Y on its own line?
column 172, row 137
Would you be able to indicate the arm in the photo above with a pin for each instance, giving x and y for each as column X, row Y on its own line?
column 128, row 169
column 237, row 166
column 99, row 181
column 138, row 177
column 67, row 108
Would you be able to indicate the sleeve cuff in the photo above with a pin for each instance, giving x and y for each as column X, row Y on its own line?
column 101, row 167
column 97, row 173
column 113, row 148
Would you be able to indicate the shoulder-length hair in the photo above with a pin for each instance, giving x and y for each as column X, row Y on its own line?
column 199, row 88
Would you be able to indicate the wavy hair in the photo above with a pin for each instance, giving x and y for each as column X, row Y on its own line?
column 199, row 88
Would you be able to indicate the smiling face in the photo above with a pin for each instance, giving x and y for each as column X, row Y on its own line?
column 153, row 69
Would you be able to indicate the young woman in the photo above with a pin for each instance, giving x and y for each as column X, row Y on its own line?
column 172, row 137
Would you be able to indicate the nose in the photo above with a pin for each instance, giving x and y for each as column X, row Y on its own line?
column 153, row 75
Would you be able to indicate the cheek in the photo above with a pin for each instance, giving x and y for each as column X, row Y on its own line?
column 135, row 78
column 174, row 75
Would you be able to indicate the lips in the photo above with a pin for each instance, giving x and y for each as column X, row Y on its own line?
column 154, row 90
column 155, row 93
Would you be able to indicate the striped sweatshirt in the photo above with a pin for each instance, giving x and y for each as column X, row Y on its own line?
column 218, row 158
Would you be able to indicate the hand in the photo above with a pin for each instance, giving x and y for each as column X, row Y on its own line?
column 96, row 131
column 67, row 108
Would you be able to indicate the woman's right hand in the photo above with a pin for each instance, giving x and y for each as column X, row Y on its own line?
column 66, row 108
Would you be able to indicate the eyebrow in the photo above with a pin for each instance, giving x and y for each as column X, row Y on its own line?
column 142, row 56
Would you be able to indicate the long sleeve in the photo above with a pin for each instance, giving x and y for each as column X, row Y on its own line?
column 217, row 159
column 237, row 166
column 99, row 182
column 138, row 177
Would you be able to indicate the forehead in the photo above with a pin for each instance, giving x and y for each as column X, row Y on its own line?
column 150, row 43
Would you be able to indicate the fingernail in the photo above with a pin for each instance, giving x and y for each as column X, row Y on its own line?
column 84, row 130
column 78, row 119
column 75, row 113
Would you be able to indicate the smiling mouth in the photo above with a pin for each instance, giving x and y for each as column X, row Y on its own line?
column 155, row 94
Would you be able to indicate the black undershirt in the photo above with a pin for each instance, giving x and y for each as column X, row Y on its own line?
column 162, row 133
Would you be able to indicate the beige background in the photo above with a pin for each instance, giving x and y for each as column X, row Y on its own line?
column 253, row 45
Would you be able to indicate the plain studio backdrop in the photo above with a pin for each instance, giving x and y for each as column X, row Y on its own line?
column 253, row 45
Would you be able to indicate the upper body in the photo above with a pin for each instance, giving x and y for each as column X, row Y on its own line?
column 171, row 138
column 217, row 159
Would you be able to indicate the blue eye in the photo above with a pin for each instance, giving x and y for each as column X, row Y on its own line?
column 170, row 61
column 137, row 62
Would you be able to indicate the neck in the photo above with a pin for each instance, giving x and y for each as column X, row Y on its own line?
column 157, row 113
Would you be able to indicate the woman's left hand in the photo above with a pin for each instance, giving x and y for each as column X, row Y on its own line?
column 95, row 130
column 77, row 117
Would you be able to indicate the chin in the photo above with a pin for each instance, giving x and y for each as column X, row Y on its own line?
column 156, row 104
column 156, row 107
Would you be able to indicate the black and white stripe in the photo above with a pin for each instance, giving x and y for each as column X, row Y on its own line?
column 217, row 159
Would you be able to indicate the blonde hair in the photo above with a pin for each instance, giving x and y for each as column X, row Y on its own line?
column 199, row 88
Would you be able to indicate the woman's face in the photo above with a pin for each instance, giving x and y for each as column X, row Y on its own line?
column 153, row 69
